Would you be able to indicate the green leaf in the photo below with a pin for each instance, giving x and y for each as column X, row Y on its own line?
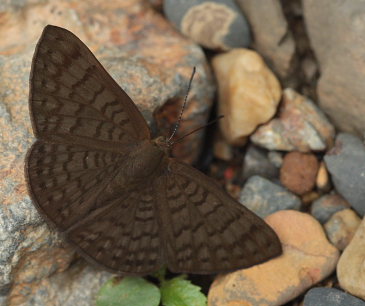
column 129, row 291
column 181, row 292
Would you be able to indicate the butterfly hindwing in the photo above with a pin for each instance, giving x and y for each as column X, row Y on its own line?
column 74, row 100
column 207, row 231
column 124, row 239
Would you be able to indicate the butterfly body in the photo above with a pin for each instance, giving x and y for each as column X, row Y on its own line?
column 147, row 159
column 96, row 176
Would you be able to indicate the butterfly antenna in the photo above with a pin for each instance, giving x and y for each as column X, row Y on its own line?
column 183, row 107
column 199, row 128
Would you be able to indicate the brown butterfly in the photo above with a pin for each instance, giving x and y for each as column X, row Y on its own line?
column 96, row 175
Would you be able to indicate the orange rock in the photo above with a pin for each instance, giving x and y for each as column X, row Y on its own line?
column 307, row 258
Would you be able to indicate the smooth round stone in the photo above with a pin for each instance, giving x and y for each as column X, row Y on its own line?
column 214, row 24
column 346, row 163
column 341, row 228
column 307, row 259
column 264, row 197
column 323, row 208
column 330, row 297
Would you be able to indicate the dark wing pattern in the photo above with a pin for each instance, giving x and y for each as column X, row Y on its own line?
column 124, row 239
column 207, row 231
column 74, row 100
column 68, row 182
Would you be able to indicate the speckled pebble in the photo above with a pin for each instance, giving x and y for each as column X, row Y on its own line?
column 299, row 126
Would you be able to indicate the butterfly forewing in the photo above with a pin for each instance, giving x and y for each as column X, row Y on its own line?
column 74, row 100
column 207, row 230
column 96, row 176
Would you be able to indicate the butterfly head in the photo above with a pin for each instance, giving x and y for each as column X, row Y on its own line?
column 163, row 144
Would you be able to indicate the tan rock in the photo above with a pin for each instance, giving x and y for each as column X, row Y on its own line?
column 307, row 258
column 323, row 182
column 350, row 268
column 300, row 126
column 298, row 172
column 341, row 227
column 248, row 93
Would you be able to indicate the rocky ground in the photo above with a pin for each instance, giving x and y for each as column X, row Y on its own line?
column 289, row 78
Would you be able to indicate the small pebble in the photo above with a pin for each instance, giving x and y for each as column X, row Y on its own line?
column 299, row 126
column 264, row 197
column 222, row 149
column 346, row 163
column 330, row 297
column 256, row 162
column 249, row 93
column 309, row 197
column 307, row 259
column 298, row 172
column 323, row 208
column 217, row 25
column 350, row 267
column 322, row 181
column 341, row 227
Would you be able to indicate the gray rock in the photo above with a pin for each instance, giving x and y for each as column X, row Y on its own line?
column 272, row 38
column 346, row 164
column 215, row 24
column 323, row 208
column 335, row 29
column 264, row 197
column 256, row 162
column 330, row 297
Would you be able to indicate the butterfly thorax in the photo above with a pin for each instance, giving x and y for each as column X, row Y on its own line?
column 147, row 159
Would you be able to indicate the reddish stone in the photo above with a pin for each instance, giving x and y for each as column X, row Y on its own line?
column 298, row 172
